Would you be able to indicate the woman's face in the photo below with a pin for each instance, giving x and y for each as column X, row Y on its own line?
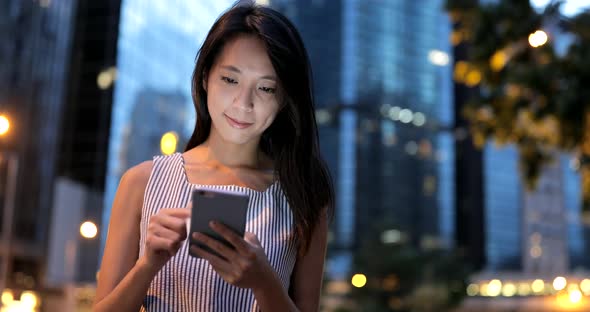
column 242, row 91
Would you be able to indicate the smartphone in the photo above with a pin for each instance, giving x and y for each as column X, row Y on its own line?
column 227, row 207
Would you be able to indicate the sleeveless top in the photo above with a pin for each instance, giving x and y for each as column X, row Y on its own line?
column 187, row 283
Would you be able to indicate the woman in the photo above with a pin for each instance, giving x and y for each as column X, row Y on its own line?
column 255, row 133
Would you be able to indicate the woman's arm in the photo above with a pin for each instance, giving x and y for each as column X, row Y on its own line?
column 123, row 280
column 306, row 280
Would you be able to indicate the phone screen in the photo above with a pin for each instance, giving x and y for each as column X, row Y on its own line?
column 229, row 208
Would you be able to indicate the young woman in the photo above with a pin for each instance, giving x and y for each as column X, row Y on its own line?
column 255, row 133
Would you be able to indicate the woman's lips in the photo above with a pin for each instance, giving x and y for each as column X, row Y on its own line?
column 237, row 124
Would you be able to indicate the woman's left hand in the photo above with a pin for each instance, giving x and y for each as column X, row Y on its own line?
column 245, row 266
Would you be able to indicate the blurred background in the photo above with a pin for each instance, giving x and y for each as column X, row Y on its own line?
column 457, row 133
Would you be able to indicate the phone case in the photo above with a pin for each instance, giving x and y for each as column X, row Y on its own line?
column 229, row 208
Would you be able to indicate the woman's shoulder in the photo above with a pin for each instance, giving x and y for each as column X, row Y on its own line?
column 129, row 198
column 135, row 179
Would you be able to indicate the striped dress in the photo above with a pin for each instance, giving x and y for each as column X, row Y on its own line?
column 186, row 283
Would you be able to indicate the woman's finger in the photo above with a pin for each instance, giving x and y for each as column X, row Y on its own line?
column 181, row 213
column 167, row 233
column 233, row 238
column 216, row 245
column 173, row 222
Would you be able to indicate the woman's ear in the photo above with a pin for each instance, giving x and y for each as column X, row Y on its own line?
column 205, row 81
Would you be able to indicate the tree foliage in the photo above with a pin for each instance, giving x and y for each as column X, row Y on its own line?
column 535, row 97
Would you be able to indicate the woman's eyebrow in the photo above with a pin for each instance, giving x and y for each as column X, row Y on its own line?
column 237, row 70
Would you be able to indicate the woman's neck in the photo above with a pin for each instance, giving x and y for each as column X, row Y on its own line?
column 218, row 151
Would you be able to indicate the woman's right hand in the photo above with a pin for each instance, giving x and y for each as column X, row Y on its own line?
column 165, row 234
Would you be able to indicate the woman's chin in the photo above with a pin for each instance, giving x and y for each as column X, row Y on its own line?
column 237, row 139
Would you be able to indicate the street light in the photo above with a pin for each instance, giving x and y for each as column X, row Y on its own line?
column 538, row 285
column 168, row 143
column 7, row 297
column 359, row 280
column 105, row 78
column 88, row 230
column 438, row 58
column 4, row 125
column 559, row 283
column 29, row 301
column 494, row 288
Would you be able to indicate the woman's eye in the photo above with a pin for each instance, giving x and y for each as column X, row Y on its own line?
column 268, row 90
column 228, row 80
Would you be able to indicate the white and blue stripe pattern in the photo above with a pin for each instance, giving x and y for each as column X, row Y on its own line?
column 186, row 283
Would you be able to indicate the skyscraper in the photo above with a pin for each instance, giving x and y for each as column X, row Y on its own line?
column 35, row 40
column 538, row 231
column 383, row 92
column 503, row 208
column 49, row 62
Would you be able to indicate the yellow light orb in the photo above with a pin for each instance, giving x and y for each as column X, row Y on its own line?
column 105, row 78
column 461, row 68
column 4, row 125
column 359, row 280
column 472, row 290
column 538, row 38
column 473, row 78
column 494, row 288
column 585, row 286
column 483, row 289
column 509, row 290
column 7, row 297
column 559, row 283
column 575, row 296
column 168, row 143
column 498, row 60
column 29, row 299
column 88, row 230
column 538, row 286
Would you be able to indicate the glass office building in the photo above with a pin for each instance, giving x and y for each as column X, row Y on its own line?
column 383, row 92
column 504, row 205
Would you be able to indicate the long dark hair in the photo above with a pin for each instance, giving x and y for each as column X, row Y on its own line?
column 292, row 139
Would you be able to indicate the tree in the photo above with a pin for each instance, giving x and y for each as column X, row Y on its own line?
column 530, row 93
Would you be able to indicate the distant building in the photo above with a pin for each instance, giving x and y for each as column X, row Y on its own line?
column 372, row 61
column 35, row 43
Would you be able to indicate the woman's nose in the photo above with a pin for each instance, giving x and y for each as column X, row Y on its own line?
column 243, row 100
